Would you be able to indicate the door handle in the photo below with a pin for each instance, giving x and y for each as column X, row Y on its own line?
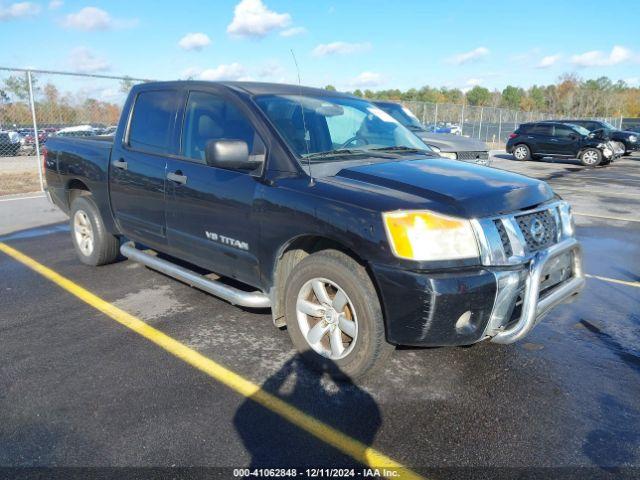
column 121, row 164
column 177, row 177
column 555, row 140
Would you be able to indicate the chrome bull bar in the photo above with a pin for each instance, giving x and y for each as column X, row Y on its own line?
column 533, row 307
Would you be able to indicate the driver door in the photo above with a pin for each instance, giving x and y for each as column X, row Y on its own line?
column 211, row 219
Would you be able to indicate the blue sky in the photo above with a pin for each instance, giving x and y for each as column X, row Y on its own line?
column 351, row 44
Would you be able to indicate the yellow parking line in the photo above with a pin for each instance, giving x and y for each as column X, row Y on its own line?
column 357, row 450
column 615, row 280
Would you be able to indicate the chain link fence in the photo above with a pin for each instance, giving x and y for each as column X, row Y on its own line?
column 37, row 104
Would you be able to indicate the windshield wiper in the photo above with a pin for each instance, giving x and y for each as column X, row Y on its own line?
column 333, row 153
column 344, row 152
column 398, row 148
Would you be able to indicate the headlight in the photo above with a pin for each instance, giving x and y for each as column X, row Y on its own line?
column 451, row 155
column 566, row 218
column 633, row 138
column 423, row 235
column 434, row 148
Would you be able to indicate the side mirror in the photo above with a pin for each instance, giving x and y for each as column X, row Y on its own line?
column 230, row 154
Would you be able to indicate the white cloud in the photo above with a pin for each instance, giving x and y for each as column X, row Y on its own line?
column 82, row 60
column 232, row 71
column 598, row 58
column 93, row 18
column 472, row 82
column 271, row 69
column 340, row 48
column 366, row 79
column 194, row 41
column 549, row 61
column 55, row 4
column 252, row 18
column 18, row 10
column 471, row 56
column 292, row 32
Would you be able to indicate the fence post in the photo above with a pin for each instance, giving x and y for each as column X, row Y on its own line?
column 499, row 125
column 35, row 129
column 480, row 126
column 462, row 119
column 435, row 119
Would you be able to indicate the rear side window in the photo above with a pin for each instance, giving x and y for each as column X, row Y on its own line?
column 153, row 116
column 541, row 129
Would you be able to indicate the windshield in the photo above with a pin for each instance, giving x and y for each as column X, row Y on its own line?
column 403, row 115
column 335, row 126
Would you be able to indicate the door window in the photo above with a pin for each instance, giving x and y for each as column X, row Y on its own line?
column 211, row 117
column 151, row 122
column 563, row 132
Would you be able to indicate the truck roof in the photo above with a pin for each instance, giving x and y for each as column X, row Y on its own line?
column 252, row 88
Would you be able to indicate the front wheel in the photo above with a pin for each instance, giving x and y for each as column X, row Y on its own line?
column 522, row 152
column 334, row 317
column 591, row 157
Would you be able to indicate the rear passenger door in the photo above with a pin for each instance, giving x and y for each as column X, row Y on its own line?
column 540, row 136
column 210, row 212
column 138, row 166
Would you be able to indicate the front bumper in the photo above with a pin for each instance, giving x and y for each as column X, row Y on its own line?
column 464, row 307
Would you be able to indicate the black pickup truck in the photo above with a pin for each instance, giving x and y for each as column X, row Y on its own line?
column 325, row 209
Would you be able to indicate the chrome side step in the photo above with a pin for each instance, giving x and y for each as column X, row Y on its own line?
column 230, row 294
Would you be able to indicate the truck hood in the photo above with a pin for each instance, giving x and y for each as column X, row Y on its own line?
column 448, row 142
column 464, row 189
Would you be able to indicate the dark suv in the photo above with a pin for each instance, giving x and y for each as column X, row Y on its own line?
column 555, row 139
column 627, row 139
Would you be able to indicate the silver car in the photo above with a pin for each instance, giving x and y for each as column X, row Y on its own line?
column 446, row 145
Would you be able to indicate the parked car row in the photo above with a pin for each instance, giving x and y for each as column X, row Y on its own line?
column 592, row 142
column 22, row 140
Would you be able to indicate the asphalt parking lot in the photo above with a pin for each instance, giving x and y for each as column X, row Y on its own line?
column 80, row 387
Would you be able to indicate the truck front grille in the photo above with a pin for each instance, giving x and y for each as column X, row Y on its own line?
column 539, row 230
column 504, row 238
column 472, row 155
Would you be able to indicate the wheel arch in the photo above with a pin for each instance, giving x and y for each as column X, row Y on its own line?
column 290, row 254
column 75, row 187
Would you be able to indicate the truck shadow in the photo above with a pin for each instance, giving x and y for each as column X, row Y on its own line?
column 273, row 442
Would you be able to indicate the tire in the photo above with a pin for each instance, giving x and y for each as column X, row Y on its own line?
column 590, row 157
column 93, row 244
column 365, row 348
column 522, row 152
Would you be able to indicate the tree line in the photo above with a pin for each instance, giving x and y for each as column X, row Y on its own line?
column 569, row 96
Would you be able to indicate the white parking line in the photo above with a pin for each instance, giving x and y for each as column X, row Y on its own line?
column 42, row 195
column 588, row 190
column 614, row 280
column 620, row 219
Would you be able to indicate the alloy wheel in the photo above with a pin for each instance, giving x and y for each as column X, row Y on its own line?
column 327, row 318
column 83, row 232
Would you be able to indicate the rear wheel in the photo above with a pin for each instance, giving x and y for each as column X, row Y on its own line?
column 522, row 152
column 94, row 245
column 591, row 157
column 334, row 317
